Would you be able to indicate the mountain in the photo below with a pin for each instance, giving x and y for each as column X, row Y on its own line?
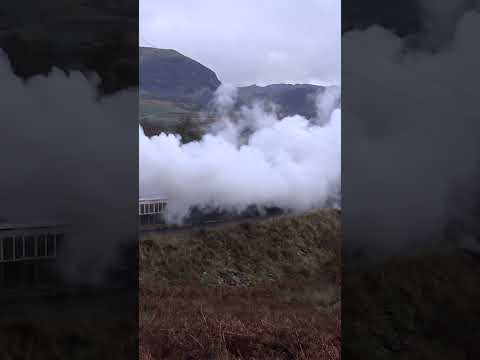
column 168, row 75
column 174, row 89
column 90, row 35
column 402, row 17
column 292, row 99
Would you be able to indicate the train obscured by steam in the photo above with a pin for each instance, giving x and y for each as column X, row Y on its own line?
column 153, row 215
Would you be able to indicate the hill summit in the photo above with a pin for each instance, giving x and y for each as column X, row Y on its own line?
column 167, row 74
column 174, row 89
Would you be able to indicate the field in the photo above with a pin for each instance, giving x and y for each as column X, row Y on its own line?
column 158, row 112
column 93, row 326
column 158, row 116
column 425, row 306
column 263, row 290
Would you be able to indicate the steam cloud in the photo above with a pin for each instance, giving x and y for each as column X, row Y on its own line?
column 413, row 149
column 69, row 157
column 440, row 20
column 249, row 157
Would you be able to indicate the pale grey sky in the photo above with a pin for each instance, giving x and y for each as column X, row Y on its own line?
column 250, row 41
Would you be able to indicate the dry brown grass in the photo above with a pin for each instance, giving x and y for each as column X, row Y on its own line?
column 303, row 248
column 188, row 323
column 263, row 290
column 70, row 328
column 425, row 306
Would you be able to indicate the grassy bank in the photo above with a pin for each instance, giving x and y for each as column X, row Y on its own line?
column 76, row 327
column 305, row 247
column 268, row 289
column 420, row 307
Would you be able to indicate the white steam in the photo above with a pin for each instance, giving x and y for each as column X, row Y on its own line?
column 68, row 156
column 440, row 19
column 250, row 157
column 413, row 136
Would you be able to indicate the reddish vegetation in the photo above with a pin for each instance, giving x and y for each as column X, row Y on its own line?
column 217, row 324
column 267, row 290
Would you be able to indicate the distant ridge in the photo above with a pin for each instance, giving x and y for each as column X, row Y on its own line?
column 293, row 99
column 174, row 89
column 167, row 74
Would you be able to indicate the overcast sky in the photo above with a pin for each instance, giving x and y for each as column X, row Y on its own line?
column 249, row 41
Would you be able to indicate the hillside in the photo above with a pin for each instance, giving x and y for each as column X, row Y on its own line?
column 83, row 326
column 175, row 89
column 168, row 75
column 99, row 36
column 260, row 289
column 247, row 253
column 424, row 306
column 403, row 17
column 292, row 99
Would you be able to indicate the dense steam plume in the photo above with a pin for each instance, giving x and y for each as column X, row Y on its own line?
column 248, row 157
column 68, row 156
column 412, row 150
column 440, row 19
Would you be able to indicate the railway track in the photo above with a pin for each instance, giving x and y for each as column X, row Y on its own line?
column 202, row 224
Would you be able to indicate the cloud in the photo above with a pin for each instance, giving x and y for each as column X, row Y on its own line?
column 290, row 163
column 250, row 42
column 412, row 153
column 69, row 157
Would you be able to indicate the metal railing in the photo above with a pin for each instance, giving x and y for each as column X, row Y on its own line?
column 151, row 207
column 24, row 247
